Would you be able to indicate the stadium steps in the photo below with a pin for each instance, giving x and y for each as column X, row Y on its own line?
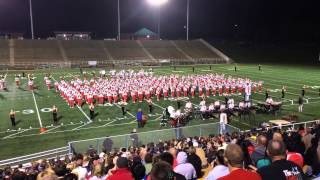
column 11, row 52
column 106, row 51
column 162, row 49
column 4, row 52
column 62, row 51
column 215, row 50
column 146, row 51
column 179, row 49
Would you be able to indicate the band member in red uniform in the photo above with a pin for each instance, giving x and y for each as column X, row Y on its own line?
column 101, row 98
column 185, row 91
column 30, row 84
column 140, row 94
column 125, row 96
column 71, row 102
column 17, row 79
column 56, row 86
column 48, row 83
column 158, row 93
column 207, row 91
column 220, row 90
column 165, row 92
column 193, row 92
column 133, row 96
column 254, row 87
column 109, row 95
column 178, row 92
column 79, row 100
column 214, row 90
column 89, row 98
column 172, row 89
column 115, row 97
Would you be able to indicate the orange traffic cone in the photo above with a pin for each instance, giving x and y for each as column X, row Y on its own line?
column 42, row 129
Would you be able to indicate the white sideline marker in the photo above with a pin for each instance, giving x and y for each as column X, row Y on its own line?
column 37, row 109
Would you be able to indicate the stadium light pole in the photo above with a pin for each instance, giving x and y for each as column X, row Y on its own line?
column 188, row 9
column 158, row 3
column 31, row 19
column 119, row 30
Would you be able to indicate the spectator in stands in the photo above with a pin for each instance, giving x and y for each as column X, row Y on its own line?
column 167, row 157
column 277, row 136
column 121, row 171
column 161, row 171
column 80, row 171
column 18, row 175
column 184, row 168
column 219, row 167
column 311, row 157
column 202, row 155
column 195, row 161
column 148, row 162
column 280, row 167
column 96, row 172
column 173, row 152
column 234, row 159
column 260, row 150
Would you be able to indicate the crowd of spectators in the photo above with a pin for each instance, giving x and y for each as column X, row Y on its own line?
column 254, row 155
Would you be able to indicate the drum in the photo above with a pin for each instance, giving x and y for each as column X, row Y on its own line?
column 144, row 119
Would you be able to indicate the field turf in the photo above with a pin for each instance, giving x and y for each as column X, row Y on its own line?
column 32, row 109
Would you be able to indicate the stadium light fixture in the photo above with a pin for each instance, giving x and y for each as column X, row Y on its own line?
column 157, row 2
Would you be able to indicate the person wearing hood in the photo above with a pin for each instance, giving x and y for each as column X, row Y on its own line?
column 184, row 168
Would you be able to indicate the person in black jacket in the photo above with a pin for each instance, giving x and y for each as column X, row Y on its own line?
column 195, row 161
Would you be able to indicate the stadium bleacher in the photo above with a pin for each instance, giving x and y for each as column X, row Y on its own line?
column 4, row 51
column 196, row 49
column 161, row 49
column 36, row 51
column 125, row 50
column 75, row 52
column 84, row 50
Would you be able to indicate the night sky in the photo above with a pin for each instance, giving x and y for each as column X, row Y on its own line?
column 249, row 20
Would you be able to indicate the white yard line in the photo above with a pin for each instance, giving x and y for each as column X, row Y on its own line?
column 109, row 122
column 22, row 131
column 126, row 112
column 50, row 129
column 37, row 109
column 94, row 127
column 158, row 105
column 80, row 109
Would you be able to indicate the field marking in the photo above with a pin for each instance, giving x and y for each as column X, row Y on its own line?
column 70, row 130
column 126, row 111
column 283, row 74
column 79, row 127
column 50, row 129
column 109, row 122
column 22, row 131
column 37, row 109
column 89, row 120
column 81, row 110
column 259, row 76
column 158, row 105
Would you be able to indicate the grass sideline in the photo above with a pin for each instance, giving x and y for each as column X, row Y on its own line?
column 109, row 120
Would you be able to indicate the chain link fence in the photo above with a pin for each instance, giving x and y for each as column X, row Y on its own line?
column 137, row 139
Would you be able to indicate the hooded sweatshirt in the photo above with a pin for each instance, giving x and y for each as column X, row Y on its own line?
column 184, row 168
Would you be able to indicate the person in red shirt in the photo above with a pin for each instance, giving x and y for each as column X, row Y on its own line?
column 234, row 159
column 122, row 171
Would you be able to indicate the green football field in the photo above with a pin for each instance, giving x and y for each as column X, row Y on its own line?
column 33, row 109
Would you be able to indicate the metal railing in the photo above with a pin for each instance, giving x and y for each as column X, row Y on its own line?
column 36, row 156
column 115, row 142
